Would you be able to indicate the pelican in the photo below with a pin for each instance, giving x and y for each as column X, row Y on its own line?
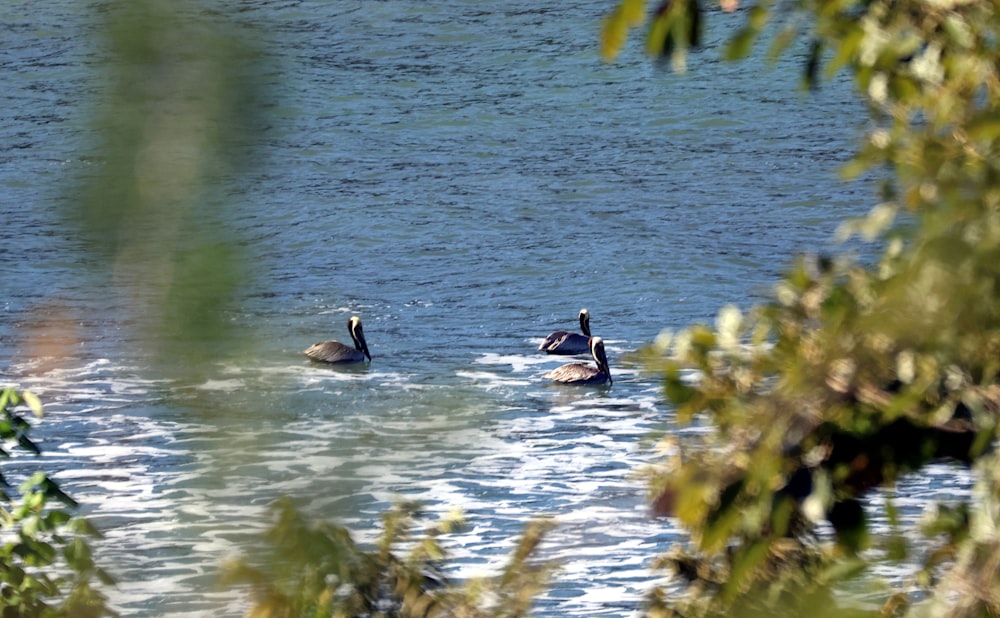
column 336, row 352
column 563, row 342
column 580, row 373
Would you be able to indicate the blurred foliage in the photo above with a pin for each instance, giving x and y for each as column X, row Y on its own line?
column 851, row 377
column 675, row 27
column 854, row 375
column 46, row 568
column 178, row 119
column 316, row 569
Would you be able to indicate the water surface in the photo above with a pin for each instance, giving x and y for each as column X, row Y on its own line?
column 465, row 176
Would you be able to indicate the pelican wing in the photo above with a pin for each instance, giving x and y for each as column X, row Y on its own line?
column 334, row 352
column 580, row 373
column 553, row 340
column 563, row 342
column 577, row 373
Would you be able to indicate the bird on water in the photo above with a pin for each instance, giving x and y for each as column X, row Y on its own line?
column 336, row 352
column 564, row 342
column 582, row 373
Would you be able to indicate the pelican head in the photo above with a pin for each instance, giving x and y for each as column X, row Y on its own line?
column 600, row 357
column 358, row 335
column 585, row 322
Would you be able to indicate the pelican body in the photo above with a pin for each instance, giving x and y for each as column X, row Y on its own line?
column 564, row 342
column 583, row 373
column 336, row 352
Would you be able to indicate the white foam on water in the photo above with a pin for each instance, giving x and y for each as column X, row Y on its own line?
column 177, row 496
column 230, row 385
column 518, row 363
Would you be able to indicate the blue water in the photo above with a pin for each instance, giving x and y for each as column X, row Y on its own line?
column 465, row 176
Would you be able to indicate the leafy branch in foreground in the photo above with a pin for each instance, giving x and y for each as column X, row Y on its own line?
column 316, row 569
column 854, row 376
column 46, row 566
column 824, row 405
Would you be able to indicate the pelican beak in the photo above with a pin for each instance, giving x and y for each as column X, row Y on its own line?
column 363, row 343
column 601, row 357
column 358, row 335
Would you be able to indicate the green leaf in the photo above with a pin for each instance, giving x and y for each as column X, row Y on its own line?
column 6, row 429
column 34, row 501
column 677, row 391
column 56, row 519
column 843, row 570
column 741, row 44
column 30, row 525
column 658, row 33
column 745, row 563
column 82, row 526
column 846, row 51
column 77, row 554
column 36, row 552
column 614, row 33
column 33, row 402
column 743, row 41
column 104, row 577
column 984, row 126
column 33, row 481
column 896, row 548
column 782, row 41
column 13, row 575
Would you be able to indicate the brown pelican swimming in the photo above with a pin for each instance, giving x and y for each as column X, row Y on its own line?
column 581, row 373
column 336, row 352
column 563, row 342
